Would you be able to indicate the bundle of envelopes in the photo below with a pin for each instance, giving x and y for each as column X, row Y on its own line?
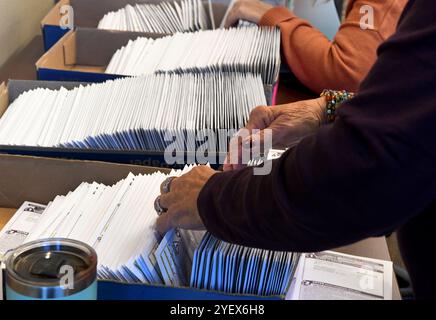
column 165, row 17
column 246, row 49
column 218, row 265
column 145, row 113
column 118, row 222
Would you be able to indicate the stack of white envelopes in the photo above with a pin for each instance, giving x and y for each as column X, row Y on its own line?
column 247, row 49
column 221, row 266
column 154, row 112
column 118, row 222
column 165, row 17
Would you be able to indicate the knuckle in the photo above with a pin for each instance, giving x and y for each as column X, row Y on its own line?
column 175, row 184
column 258, row 111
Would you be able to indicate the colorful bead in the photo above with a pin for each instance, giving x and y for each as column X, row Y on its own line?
column 334, row 99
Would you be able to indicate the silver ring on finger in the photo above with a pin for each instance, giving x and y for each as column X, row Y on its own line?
column 158, row 207
column 166, row 185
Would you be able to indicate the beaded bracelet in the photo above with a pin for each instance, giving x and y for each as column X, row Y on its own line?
column 334, row 99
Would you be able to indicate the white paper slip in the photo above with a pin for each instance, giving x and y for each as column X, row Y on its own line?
column 272, row 154
column 15, row 232
column 335, row 276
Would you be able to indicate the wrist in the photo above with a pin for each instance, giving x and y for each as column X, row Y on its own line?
column 253, row 12
column 321, row 110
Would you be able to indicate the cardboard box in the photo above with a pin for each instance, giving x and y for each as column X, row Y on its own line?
column 50, row 25
column 135, row 157
column 83, row 55
column 41, row 179
column 88, row 13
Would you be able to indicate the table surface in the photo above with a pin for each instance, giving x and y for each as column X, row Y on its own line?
column 22, row 66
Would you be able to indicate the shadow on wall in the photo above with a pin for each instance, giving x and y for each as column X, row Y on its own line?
column 19, row 23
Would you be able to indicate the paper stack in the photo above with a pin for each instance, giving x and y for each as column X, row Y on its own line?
column 118, row 222
column 230, row 268
column 247, row 49
column 146, row 113
column 165, row 17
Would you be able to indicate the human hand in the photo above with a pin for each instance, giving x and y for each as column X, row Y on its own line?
column 287, row 124
column 181, row 201
column 249, row 10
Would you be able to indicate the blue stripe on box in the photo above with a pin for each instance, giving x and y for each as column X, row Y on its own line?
column 120, row 291
column 68, row 75
column 51, row 35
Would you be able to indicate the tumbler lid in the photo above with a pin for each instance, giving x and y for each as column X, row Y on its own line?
column 51, row 268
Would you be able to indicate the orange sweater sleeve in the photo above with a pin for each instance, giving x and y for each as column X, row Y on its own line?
column 342, row 63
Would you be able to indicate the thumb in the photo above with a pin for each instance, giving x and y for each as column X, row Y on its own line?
column 260, row 118
column 234, row 155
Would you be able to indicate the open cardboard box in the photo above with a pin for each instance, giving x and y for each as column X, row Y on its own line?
column 83, row 54
column 24, row 178
column 41, row 179
column 88, row 13
column 136, row 157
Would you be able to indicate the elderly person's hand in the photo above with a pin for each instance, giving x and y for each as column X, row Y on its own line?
column 287, row 124
column 249, row 10
column 178, row 200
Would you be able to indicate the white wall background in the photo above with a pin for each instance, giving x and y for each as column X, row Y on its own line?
column 19, row 23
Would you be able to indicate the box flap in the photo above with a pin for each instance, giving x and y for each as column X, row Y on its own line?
column 69, row 50
column 94, row 47
column 87, row 50
column 54, row 58
column 4, row 98
column 42, row 179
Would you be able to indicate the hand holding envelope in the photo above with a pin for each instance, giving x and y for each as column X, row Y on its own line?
column 248, row 10
column 288, row 125
column 180, row 203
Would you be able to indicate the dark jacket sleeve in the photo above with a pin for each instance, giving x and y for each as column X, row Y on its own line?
column 363, row 176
